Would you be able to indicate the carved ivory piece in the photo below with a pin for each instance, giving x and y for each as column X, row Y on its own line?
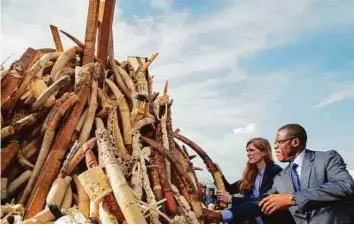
column 95, row 183
column 121, row 189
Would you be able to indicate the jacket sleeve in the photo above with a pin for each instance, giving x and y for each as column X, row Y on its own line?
column 250, row 209
column 339, row 186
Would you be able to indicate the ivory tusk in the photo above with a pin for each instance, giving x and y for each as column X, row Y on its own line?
column 18, row 182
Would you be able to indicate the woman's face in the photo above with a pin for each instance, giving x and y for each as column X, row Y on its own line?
column 254, row 155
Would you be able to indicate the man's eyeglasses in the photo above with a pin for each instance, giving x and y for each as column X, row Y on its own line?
column 280, row 142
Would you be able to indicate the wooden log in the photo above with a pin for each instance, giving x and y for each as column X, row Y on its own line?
column 105, row 30
column 91, row 32
column 51, row 166
column 56, row 38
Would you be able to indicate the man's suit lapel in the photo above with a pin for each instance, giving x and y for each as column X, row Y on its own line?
column 306, row 168
column 287, row 181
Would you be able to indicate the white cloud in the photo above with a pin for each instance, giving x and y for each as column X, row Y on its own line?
column 336, row 97
column 164, row 5
column 249, row 129
column 203, row 53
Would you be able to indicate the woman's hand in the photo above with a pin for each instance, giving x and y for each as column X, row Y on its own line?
column 223, row 196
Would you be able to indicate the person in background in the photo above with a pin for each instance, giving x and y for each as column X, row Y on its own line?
column 208, row 199
column 257, row 180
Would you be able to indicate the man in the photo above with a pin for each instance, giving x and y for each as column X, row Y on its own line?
column 315, row 187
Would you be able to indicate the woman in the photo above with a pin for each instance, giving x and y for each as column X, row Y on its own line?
column 257, row 180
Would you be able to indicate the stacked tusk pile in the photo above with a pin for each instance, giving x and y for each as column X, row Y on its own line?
column 60, row 106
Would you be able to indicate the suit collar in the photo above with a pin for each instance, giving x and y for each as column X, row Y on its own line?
column 287, row 181
column 306, row 168
column 300, row 158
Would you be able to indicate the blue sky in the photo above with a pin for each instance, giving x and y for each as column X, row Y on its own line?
column 237, row 69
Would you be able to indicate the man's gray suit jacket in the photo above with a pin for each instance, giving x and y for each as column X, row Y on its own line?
column 327, row 189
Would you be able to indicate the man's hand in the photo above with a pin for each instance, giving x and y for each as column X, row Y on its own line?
column 275, row 202
column 211, row 216
column 223, row 196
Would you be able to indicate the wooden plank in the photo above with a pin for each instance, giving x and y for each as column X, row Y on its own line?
column 56, row 38
column 28, row 57
column 54, row 160
column 105, row 30
column 91, row 32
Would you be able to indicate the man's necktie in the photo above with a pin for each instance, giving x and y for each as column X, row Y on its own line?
column 295, row 177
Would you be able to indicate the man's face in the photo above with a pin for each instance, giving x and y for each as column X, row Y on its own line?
column 284, row 146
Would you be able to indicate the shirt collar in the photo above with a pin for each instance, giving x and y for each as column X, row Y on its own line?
column 300, row 158
column 261, row 171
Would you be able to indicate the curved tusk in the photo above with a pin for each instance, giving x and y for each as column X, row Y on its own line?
column 64, row 58
column 141, row 123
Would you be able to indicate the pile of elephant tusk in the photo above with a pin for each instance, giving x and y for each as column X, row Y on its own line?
column 86, row 140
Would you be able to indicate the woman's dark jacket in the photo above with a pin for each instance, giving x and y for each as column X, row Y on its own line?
column 267, row 182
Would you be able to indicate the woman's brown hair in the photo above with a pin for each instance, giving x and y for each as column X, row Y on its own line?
column 250, row 172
